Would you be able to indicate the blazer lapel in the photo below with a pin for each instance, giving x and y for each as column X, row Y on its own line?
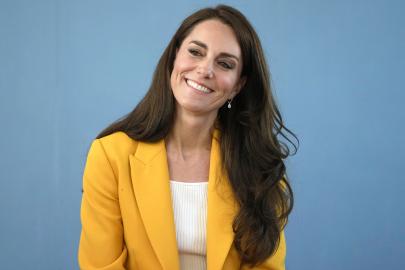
column 150, row 180
column 222, row 208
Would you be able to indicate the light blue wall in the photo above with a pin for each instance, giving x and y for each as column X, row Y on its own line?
column 69, row 68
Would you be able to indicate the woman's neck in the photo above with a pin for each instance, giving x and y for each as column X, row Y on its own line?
column 190, row 134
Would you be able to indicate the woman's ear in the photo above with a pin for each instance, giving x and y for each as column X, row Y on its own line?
column 240, row 85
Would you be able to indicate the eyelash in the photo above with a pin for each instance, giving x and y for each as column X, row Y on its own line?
column 194, row 52
column 225, row 65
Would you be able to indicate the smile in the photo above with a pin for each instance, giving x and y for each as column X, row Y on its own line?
column 198, row 87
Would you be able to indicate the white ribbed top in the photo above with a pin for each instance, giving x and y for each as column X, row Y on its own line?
column 190, row 217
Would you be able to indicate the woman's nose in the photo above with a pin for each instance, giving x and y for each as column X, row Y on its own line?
column 205, row 69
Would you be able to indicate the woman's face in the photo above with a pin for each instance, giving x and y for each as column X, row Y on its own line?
column 207, row 68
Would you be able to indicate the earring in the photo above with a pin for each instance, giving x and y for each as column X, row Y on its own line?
column 229, row 103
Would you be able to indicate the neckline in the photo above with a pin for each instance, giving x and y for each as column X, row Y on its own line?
column 189, row 183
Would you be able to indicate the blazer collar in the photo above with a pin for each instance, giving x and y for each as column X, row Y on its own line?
column 150, row 179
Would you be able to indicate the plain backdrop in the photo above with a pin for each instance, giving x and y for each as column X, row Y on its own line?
column 69, row 68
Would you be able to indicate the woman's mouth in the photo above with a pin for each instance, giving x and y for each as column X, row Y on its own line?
column 198, row 86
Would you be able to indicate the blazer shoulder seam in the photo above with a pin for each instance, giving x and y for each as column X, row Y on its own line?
column 107, row 158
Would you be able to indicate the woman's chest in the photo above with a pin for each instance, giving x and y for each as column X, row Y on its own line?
column 193, row 169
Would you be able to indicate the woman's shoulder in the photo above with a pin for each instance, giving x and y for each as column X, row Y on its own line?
column 118, row 144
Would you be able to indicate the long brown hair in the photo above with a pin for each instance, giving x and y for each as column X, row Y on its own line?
column 251, row 152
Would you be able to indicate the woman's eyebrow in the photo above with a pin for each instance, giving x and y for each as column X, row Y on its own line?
column 199, row 43
column 203, row 45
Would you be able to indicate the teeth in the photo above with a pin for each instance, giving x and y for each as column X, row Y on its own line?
column 198, row 87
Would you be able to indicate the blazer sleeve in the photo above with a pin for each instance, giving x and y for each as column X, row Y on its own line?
column 102, row 243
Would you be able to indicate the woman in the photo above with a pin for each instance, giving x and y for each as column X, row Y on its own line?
column 193, row 177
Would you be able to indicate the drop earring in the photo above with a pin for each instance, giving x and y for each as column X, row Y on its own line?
column 229, row 103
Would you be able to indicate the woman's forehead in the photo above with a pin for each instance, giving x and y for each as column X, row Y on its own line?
column 215, row 35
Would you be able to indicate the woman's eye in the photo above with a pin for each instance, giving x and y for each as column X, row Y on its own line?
column 194, row 52
column 226, row 65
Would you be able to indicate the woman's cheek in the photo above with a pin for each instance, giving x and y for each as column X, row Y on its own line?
column 186, row 63
column 228, row 83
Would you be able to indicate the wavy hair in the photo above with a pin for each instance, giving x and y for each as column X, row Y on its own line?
column 253, row 137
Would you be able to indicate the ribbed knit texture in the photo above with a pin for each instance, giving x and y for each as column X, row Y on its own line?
column 190, row 217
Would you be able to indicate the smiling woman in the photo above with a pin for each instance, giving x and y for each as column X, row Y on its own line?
column 193, row 177
column 210, row 49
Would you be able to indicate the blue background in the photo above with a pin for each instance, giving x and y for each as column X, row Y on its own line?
column 69, row 68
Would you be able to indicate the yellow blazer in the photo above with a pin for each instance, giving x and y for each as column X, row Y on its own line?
column 127, row 216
